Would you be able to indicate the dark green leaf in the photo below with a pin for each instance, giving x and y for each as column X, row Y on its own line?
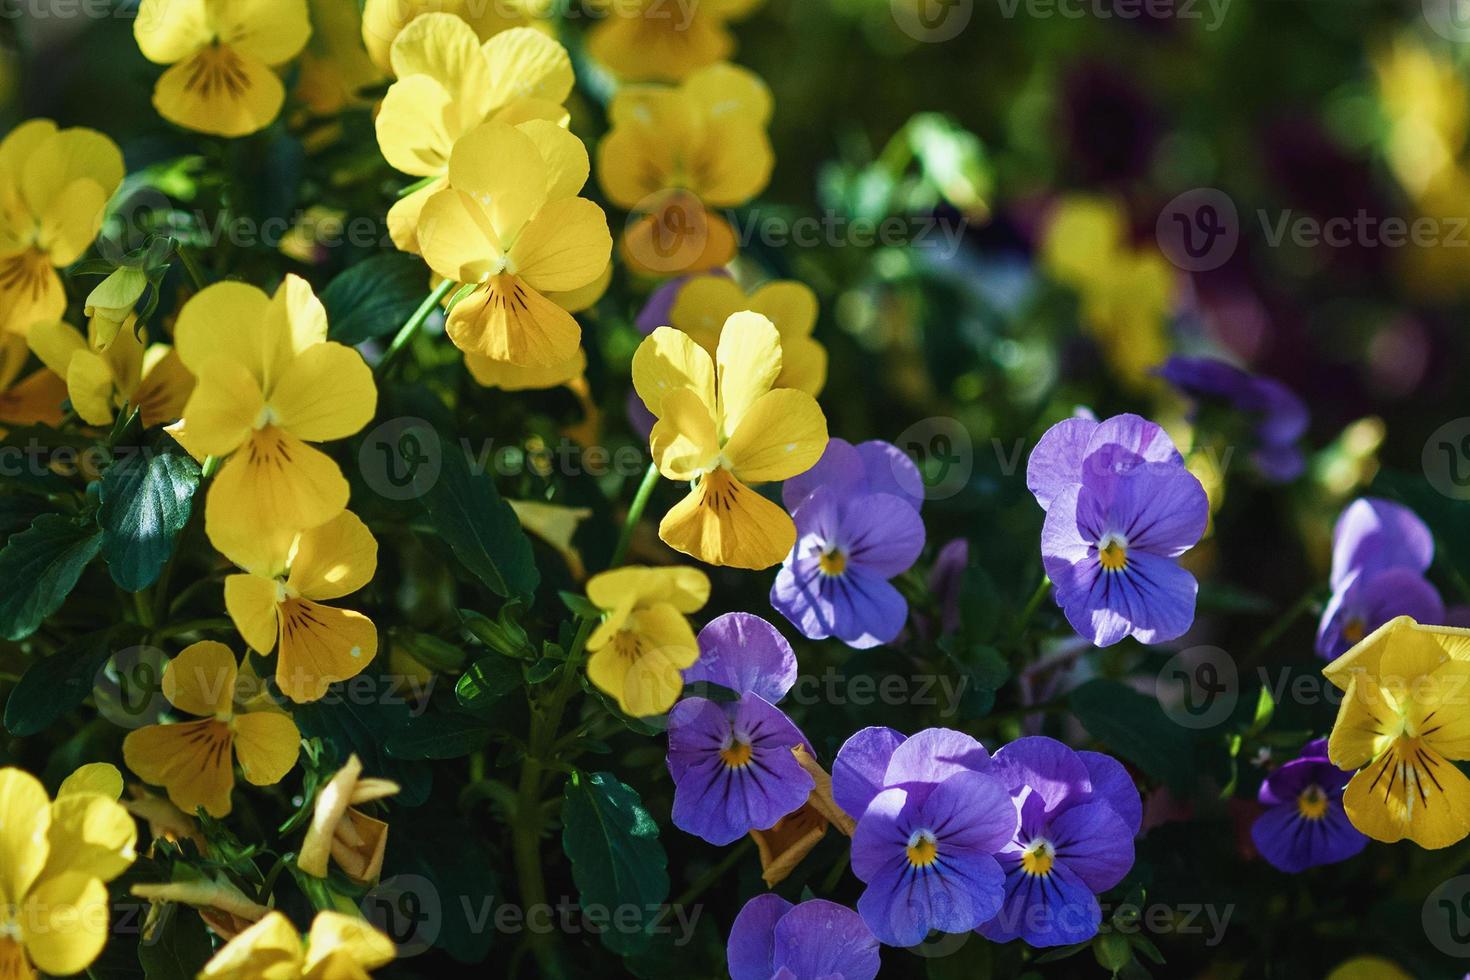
column 449, row 854
column 579, row 605
column 617, row 859
column 146, row 500
column 374, row 297
column 438, row 735
column 55, row 685
column 38, row 569
column 488, row 680
column 362, row 717
column 1135, row 727
column 178, row 948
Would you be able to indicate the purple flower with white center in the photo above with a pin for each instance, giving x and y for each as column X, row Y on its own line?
column 732, row 763
column 1305, row 825
column 1281, row 417
column 835, row 580
column 869, row 467
column 1078, row 814
column 930, row 818
column 1120, row 508
column 816, row 940
column 1373, row 534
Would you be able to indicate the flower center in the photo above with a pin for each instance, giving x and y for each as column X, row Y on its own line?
column 923, row 849
column 1312, row 803
column 1112, row 552
column 265, row 417
column 1354, row 630
column 1038, row 857
column 736, row 755
column 832, row 562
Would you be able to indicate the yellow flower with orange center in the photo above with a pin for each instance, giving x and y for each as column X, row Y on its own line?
column 705, row 304
column 644, row 640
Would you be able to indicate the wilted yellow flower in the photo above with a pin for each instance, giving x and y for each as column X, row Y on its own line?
column 54, row 187
column 128, row 372
column 644, row 640
column 705, row 304
column 449, row 83
column 35, row 398
column 782, row 846
column 193, row 760
column 673, row 153
column 55, row 860
column 278, row 603
column 221, row 54
column 384, row 20
column 654, row 40
column 268, row 383
column 341, row 832
column 510, row 223
column 722, row 426
column 339, row 947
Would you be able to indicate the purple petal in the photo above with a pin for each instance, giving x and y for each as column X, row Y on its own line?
column 746, row 654
column 820, row 939
column 840, row 467
column 1044, row 768
column 857, row 773
column 640, row 419
column 1112, row 785
column 1056, row 909
column 1374, row 534
column 1292, row 843
column 946, row 580
column 890, row 470
column 859, row 608
column 881, row 533
column 1094, row 843
column 1123, row 442
column 1158, row 508
column 933, row 755
column 1287, row 783
column 1367, row 599
column 1056, row 462
column 750, row 950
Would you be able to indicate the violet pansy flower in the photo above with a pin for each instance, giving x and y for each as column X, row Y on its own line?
column 1305, row 824
column 816, row 940
column 1078, row 814
column 869, row 467
column 1280, row 416
column 1373, row 534
column 1120, row 509
column 732, row 762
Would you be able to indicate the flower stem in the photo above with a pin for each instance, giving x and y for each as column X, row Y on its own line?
column 1033, row 604
column 411, row 326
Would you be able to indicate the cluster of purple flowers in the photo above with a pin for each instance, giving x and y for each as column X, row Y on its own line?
column 1305, row 824
column 857, row 526
column 1279, row 416
column 1120, row 509
column 1380, row 552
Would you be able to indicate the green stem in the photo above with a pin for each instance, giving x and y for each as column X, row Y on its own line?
column 411, row 326
column 635, row 510
column 1283, row 622
column 1033, row 604
column 191, row 266
column 418, row 185
column 192, row 626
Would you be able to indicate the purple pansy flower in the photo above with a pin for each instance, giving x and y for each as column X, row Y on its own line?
column 1373, row 534
column 732, row 763
column 816, row 940
column 835, row 580
column 869, row 467
column 929, row 820
column 1079, row 813
column 1281, row 417
column 1120, row 508
column 1306, row 825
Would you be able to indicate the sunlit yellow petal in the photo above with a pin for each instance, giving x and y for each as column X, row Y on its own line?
column 170, row 30
column 565, row 157
column 514, row 377
column 506, row 320
column 565, row 246
column 668, row 360
column 201, row 679
column 501, row 168
column 641, row 667
column 684, row 441
column 91, row 387
column 1410, row 792
column 268, row 950
column 334, row 559
column 416, row 126
column 30, row 291
column 404, row 215
column 527, row 64
column 223, row 409
column 191, row 760
column 724, row 522
column 326, row 393
column 100, row 778
column 267, row 744
column 783, row 434
column 320, row 645
column 271, row 30
column 91, row 835
column 64, row 922
column 223, row 320
column 55, row 342
column 70, row 156
column 456, row 237
column 165, row 387
column 251, row 603
column 25, row 815
column 274, row 484
column 727, row 92
column 71, row 220
column 748, row 361
column 349, row 936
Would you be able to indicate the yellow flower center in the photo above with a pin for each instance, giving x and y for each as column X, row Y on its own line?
column 1354, row 630
column 1312, row 803
column 736, row 755
column 923, row 849
column 832, row 562
column 1038, row 857
column 1112, row 553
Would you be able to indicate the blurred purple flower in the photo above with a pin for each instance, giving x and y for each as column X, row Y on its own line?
column 1373, row 534
column 1305, row 825
column 1079, row 813
column 816, row 940
column 946, row 581
column 1281, row 417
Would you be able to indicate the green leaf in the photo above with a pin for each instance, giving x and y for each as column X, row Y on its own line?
column 40, row 566
column 579, row 605
column 178, row 948
column 438, row 735
column 54, row 686
column 361, row 717
column 146, row 500
column 480, row 527
column 487, row 681
column 1134, row 726
column 617, row 860
column 374, row 297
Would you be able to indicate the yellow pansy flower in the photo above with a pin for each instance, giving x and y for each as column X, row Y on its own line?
column 448, row 83
column 334, row 68
column 644, row 641
column 673, row 153
column 706, row 303
column 384, row 20
column 221, row 54
column 278, row 603
column 653, row 40
column 338, row 947
column 193, row 760
column 35, row 398
column 54, row 187
column 55, row 860
column 340, row 832
column 269, row 383
column 510, row 223
column 722, row 425
column 1403, row 723
column 128, row 373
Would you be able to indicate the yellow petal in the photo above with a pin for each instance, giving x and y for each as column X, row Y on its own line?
column 584, row 297
column 527, row 64
column 225, row 320
column 785, row 843
column 91, row 387
column 668, row 360
column 335, row 559
column 13, row 960
column 30, row 291
column 165, row 388
column 734, row 160
column 501, row 168
column 441, row 46
column 22, row 141
column 221, row 91
column 565, row 156
column 201, row 679
column 192, row 760
column 326, row 393
column 274, row 484
column 271, row 30
column 100, row 778
column 404, row 215
column 222, row 410
column 513, row 377
column 268, row 950
column 686, row 589
column 320, row 645
column 335, row 934
column 251, row 603
column 267, row 744
column 506, row 320
column 66, row 158
column 37, row 398
column 704, row 304
column 649, row 41
column 728, row 92
column 295, row 321
column 456, row 237
column 64, row 923
column 748, row 360
column 783, row 434
column 724, row 522
column 1410, row 791
column 556, row 525
column 71, row 220
column 803, row 365
column 790, row 305
column 641, row 667
column 684, row 441
column 416, row 126
column 564, row 247
column 679, row 237
column 25, row 814
column 633, row 164
column 170, row 30
column 90, row 835
column 55, row 343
